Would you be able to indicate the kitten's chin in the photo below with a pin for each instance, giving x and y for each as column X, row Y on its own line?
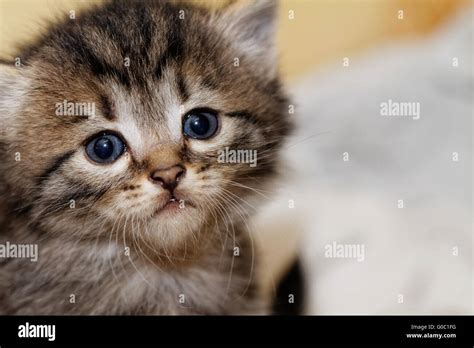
column 173, row 224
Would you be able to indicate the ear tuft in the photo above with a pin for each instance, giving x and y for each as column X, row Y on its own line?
column 252, row 27
column 13, row 86
column 8, row 75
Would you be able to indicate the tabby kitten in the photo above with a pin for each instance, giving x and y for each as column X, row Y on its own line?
column 126, row 200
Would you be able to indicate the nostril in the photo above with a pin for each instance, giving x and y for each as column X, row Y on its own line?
column 180, row 174
column 158, row 180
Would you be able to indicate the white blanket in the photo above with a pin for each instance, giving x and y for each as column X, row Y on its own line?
column 395, row 188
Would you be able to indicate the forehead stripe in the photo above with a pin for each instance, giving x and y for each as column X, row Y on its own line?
column 174, row 51
column 100, row 67
column 182, row 87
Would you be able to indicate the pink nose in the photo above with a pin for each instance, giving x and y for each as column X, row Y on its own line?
column 168, row 177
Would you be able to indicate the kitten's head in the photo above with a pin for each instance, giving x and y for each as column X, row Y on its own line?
column 126, row 119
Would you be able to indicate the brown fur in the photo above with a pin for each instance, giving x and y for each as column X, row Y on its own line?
column 109, row 250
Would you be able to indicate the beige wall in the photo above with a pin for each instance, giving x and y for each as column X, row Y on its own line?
column 327, row 30
column 321, row 31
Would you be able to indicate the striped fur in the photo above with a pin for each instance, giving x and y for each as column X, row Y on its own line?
column 98, row 235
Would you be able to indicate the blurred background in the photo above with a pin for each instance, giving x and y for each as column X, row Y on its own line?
column 401, row 50
column 319, row 32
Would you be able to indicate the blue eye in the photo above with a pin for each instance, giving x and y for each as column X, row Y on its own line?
column 105, row 148
column 200, row 124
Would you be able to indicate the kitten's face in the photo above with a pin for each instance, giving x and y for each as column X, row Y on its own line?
column 168, row 98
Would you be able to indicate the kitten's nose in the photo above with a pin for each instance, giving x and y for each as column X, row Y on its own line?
column 168, row 177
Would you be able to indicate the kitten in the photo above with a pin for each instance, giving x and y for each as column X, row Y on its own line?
column 110, row 133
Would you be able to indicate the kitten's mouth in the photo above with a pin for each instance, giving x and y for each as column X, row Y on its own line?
column 173, row 205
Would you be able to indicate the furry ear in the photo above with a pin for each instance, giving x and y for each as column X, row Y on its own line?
column 13, row 86
column 251, row 27
column 10, row 80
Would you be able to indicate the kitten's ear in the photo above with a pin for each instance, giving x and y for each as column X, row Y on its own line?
column 13, row 86
column 251, row 27
column 7, row 70
column 11, row 80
